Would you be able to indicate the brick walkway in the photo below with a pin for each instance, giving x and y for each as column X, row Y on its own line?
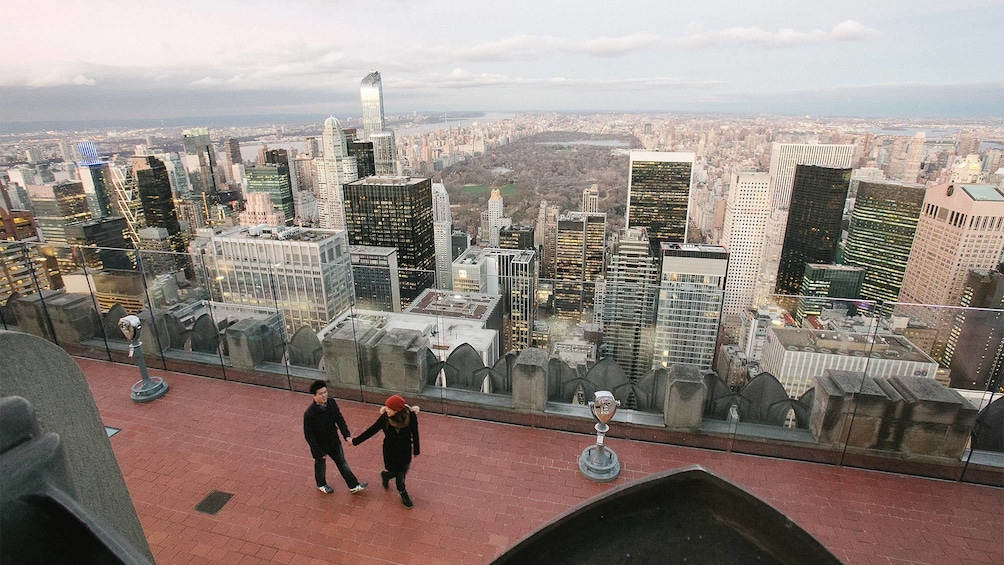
column 478, row 486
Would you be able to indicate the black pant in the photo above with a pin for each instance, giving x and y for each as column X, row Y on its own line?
column 399, row 478
column 320, row 474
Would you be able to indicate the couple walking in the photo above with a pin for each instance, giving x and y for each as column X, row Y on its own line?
column 399, row 422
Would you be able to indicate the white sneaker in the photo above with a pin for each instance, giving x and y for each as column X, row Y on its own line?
column 358, row 488
column 326, row 489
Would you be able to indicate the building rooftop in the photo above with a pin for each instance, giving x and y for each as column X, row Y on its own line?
column 279, row 233
column 885, row 346
column 454, row 304
column 478, row 487
column 983, row 192
column 388, row 181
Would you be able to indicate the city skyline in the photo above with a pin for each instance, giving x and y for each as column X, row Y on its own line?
column 894, row 59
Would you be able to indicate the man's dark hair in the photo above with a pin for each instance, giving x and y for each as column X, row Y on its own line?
column 316, row 386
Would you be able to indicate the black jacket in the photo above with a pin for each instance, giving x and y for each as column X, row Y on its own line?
column 398, row 443
column 319, row 428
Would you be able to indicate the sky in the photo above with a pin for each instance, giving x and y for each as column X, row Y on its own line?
column 159, row 59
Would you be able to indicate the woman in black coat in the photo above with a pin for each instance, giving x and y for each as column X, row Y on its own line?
column 399, row 423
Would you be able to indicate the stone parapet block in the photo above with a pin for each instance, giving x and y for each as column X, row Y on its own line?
column 529, row 380
column 686, row 393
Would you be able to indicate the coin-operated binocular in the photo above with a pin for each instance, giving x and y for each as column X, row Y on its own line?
column 148, row 388
column 597, row 462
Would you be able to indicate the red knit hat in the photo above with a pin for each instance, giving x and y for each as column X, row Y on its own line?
column 395, row 403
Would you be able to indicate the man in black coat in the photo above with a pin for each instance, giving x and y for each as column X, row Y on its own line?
column 319, row 428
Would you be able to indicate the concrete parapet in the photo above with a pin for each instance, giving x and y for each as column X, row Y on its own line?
column 913, row 416
column 375, row 357
column 686, row 393
column 401, row 357
column 74, row 317
column 31, row 313
column 154, row 333
column 251, row 341
column 529, row 380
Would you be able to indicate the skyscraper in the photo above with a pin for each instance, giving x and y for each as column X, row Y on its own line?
column 516, row 237
column 691, row 289
column 306, row 274
column 659, row 194
column 975, row 350
column 376, row 278
column 156, row 197
column 384, row 153
column 510, row 273
column 814, row 223
column 371, row 95
column 98, row 186
column 591, row 199
column 335, row 170
column 56, row 205
column 628, row 316
column 200, row 161
column 784, row 157
column 443, row 228
column 492, row 220
column 579, row 242
column 881, row 234
column 395, row 212
column 274, row 180
column 98, row 243
column 961, row 227
column 746, row 213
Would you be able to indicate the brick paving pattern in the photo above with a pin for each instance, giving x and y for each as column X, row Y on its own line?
column 478, row 487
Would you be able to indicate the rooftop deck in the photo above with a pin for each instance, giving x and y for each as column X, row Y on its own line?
column 478, row 486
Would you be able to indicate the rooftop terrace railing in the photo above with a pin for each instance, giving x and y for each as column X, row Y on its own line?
column 836, row 381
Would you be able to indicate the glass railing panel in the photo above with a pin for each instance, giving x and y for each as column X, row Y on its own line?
column 178, row 290
column 517, row 348
column 28, row 275
column 938, row 370
column 780, row 359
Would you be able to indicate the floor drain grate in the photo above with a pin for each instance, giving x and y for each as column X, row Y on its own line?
column 213, row 502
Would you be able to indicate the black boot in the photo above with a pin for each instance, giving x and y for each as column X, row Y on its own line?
column 405, row 499
column 385, row 477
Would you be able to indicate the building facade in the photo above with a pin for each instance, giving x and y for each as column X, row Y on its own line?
column 629, row 304
column 814, row 223
column 396, row 212
column 659, row 186
column 691, row 293
column 881, row 233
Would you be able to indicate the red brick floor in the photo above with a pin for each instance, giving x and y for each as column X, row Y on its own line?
column 478, row 486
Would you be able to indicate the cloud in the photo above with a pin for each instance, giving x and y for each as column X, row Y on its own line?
column 848, row 30
column 46, row 77
column 617, row 46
